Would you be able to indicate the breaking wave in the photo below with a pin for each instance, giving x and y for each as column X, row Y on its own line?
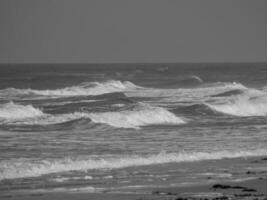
column 84, row 89
column 27, row 168
column 14, row 111
column 243, row 106
column 15, row 114
column 196, row 94
column 141, row 115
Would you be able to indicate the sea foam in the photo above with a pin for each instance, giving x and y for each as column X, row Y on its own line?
column 26, row 168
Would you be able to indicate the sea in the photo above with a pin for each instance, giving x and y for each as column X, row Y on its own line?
column 126, row 127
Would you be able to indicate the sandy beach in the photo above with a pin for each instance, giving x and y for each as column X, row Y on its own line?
column 252, row 184
column 252, row 189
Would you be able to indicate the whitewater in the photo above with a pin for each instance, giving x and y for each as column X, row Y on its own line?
column 141, row 115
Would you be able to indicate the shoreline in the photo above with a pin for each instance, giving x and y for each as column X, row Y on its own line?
column 249, row 189
column 252, row 185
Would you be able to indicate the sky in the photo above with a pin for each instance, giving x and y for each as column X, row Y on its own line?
column 129, row 31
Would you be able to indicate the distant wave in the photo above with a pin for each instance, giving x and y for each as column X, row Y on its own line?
column 96, row 89
column 142, row 115
column 243, row 105
column 197, row 78
column 183, row 82
column 186, row 94
column 84, row 89
column 190, row 81
column 27, row 168
column 63, row 103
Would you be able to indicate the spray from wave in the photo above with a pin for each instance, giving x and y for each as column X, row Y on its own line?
column 27, row 168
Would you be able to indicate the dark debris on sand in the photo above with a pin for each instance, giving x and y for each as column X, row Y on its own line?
column 235, row 193
column 244, row 189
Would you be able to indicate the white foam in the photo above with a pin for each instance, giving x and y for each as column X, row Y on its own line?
column 64, row 179
column 12, row 111
column 142, row 116
column 28, row 168
column 197, row 78
column 217, row 175
column 242, row 106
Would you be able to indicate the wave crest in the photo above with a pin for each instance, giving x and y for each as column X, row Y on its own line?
column 140, row 116
column 196, row 94
column 84, row 89
column 243, row 106
column 12, row 111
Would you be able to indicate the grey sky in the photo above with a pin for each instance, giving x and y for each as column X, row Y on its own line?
column 133, row 31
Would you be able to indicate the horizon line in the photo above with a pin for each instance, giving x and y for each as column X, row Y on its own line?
column 129, row 63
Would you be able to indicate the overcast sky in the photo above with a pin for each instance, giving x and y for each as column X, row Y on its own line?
column 93, row 31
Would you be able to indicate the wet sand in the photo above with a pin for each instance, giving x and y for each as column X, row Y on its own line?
column 252, row 189
column 252, row 186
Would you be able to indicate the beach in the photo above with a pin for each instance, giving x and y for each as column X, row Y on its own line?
column 252, row 184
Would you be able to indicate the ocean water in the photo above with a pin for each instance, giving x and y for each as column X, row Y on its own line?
column 105, row 127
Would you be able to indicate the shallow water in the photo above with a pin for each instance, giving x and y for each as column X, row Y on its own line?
column 77, row 125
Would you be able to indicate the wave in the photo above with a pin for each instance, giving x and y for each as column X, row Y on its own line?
column 84, row 89
column 196, row 94
column 190, row 81
column 243, row 106
column 195, row 109
column 63, row 103
column 26, row 168
column 12, row 111
column 229, row 93
column 15, row 114
column 141, row 115
column 48, row 119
